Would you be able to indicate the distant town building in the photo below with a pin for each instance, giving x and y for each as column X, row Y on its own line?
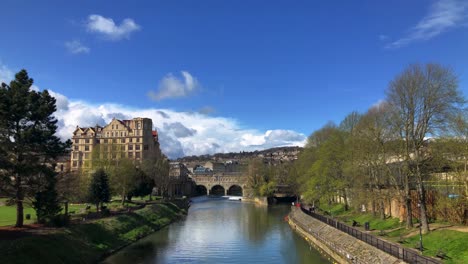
column 180, row 182
column 133, row 139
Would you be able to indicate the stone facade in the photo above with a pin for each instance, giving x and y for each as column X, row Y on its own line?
column 181, row 183
column 133, row 139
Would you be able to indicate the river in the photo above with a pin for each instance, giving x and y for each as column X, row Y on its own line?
column 223, row 231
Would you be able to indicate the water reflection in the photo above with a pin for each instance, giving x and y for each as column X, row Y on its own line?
column 222, row 231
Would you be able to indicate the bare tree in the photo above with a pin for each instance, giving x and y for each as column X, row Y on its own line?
column 422, row 98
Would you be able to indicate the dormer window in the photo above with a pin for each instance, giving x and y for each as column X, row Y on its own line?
column 138, row 125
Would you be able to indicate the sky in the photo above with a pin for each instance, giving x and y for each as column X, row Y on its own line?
column 222, row 76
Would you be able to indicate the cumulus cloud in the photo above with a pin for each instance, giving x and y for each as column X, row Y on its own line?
column 163, row 114
column 180, row 133
column 6, row 75
column 179, row 130
column 109, row 29
column 76, row 47
column 443, row 15
column 171, row 86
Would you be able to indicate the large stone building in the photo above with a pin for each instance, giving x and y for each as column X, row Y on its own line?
column 181, row 183
column 133, row 139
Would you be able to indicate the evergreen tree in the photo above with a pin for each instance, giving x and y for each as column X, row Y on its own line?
column 27, row 138
column 99, row 192
column 46, row 201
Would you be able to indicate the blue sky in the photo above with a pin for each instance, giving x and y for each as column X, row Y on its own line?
column 286, row 67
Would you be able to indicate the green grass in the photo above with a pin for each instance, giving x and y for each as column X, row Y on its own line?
column 8, row 215
column 453, row 243
column 86, row 243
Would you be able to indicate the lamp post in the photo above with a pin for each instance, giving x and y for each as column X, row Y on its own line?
column 420, row 229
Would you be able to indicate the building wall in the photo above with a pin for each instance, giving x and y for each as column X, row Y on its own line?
column 131, row 139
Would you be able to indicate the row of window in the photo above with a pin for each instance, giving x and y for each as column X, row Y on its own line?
column 137, row 155
column 117, row 126
column 114, row 140
column 114, row 147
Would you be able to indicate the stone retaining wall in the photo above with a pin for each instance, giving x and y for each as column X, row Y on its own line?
column 339, row 245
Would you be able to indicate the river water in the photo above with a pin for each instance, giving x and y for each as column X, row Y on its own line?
column 223, row 231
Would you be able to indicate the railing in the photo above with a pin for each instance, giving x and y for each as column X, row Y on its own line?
column 397, row 251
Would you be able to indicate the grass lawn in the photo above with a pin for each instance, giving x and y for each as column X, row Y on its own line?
column 86, row 242
column 8, row 215
column 453, row 243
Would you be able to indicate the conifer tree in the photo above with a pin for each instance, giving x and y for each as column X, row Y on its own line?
column 28, row 143
column 99, row 192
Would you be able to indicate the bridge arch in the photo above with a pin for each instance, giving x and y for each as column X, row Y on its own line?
column 201, row 190
column 235, row 190
column 217, row 190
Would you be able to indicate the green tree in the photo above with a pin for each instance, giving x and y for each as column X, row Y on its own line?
column 423, row 98
column 99, row 191
column 27, row 138
column 123, row 177
column 157, row 168
column 46, row 201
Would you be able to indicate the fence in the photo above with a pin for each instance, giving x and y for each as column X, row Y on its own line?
column 397, row 251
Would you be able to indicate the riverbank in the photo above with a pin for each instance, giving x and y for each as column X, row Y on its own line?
column 342, row 247
column 90, row 241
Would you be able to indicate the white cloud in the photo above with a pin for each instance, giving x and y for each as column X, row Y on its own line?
column 443, row 15
column 180, row 133
column 6, row 75
column 171, row 86
column 76, row 47
column 108, row 28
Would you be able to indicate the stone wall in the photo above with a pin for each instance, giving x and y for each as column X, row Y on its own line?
column 340, row 246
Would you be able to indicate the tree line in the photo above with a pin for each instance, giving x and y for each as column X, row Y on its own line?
column 29, row 149
column 398, row 149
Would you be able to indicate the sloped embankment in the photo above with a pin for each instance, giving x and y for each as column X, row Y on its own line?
column 89, row 242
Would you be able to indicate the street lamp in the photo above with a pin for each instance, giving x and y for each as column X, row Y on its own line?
column 420, row 229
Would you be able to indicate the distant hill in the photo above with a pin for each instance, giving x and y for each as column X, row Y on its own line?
column 279, row 154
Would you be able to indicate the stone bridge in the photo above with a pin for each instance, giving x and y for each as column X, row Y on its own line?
column 227, row 183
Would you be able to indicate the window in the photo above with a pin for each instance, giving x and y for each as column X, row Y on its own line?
column 130, row 140
column 116, row 126
column 75, row 147
column 86, row 155
column 145, row 147
column 75, row 163
column 138, row 125
column 105, row 141
column 121, row 134
column 137, row 155
column 137, row 147
column 86, row 148
column 130, row 147
column 114, row 140
column 114, row 155
column 138, row 140
column 107, row 134
column 122, row 140
column 130, row 154
column 112, row 126
column 87, row 141
column 61, row 167
column 98, row 141
column 77, row 141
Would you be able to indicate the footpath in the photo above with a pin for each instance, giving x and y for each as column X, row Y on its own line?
column 348, row 245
